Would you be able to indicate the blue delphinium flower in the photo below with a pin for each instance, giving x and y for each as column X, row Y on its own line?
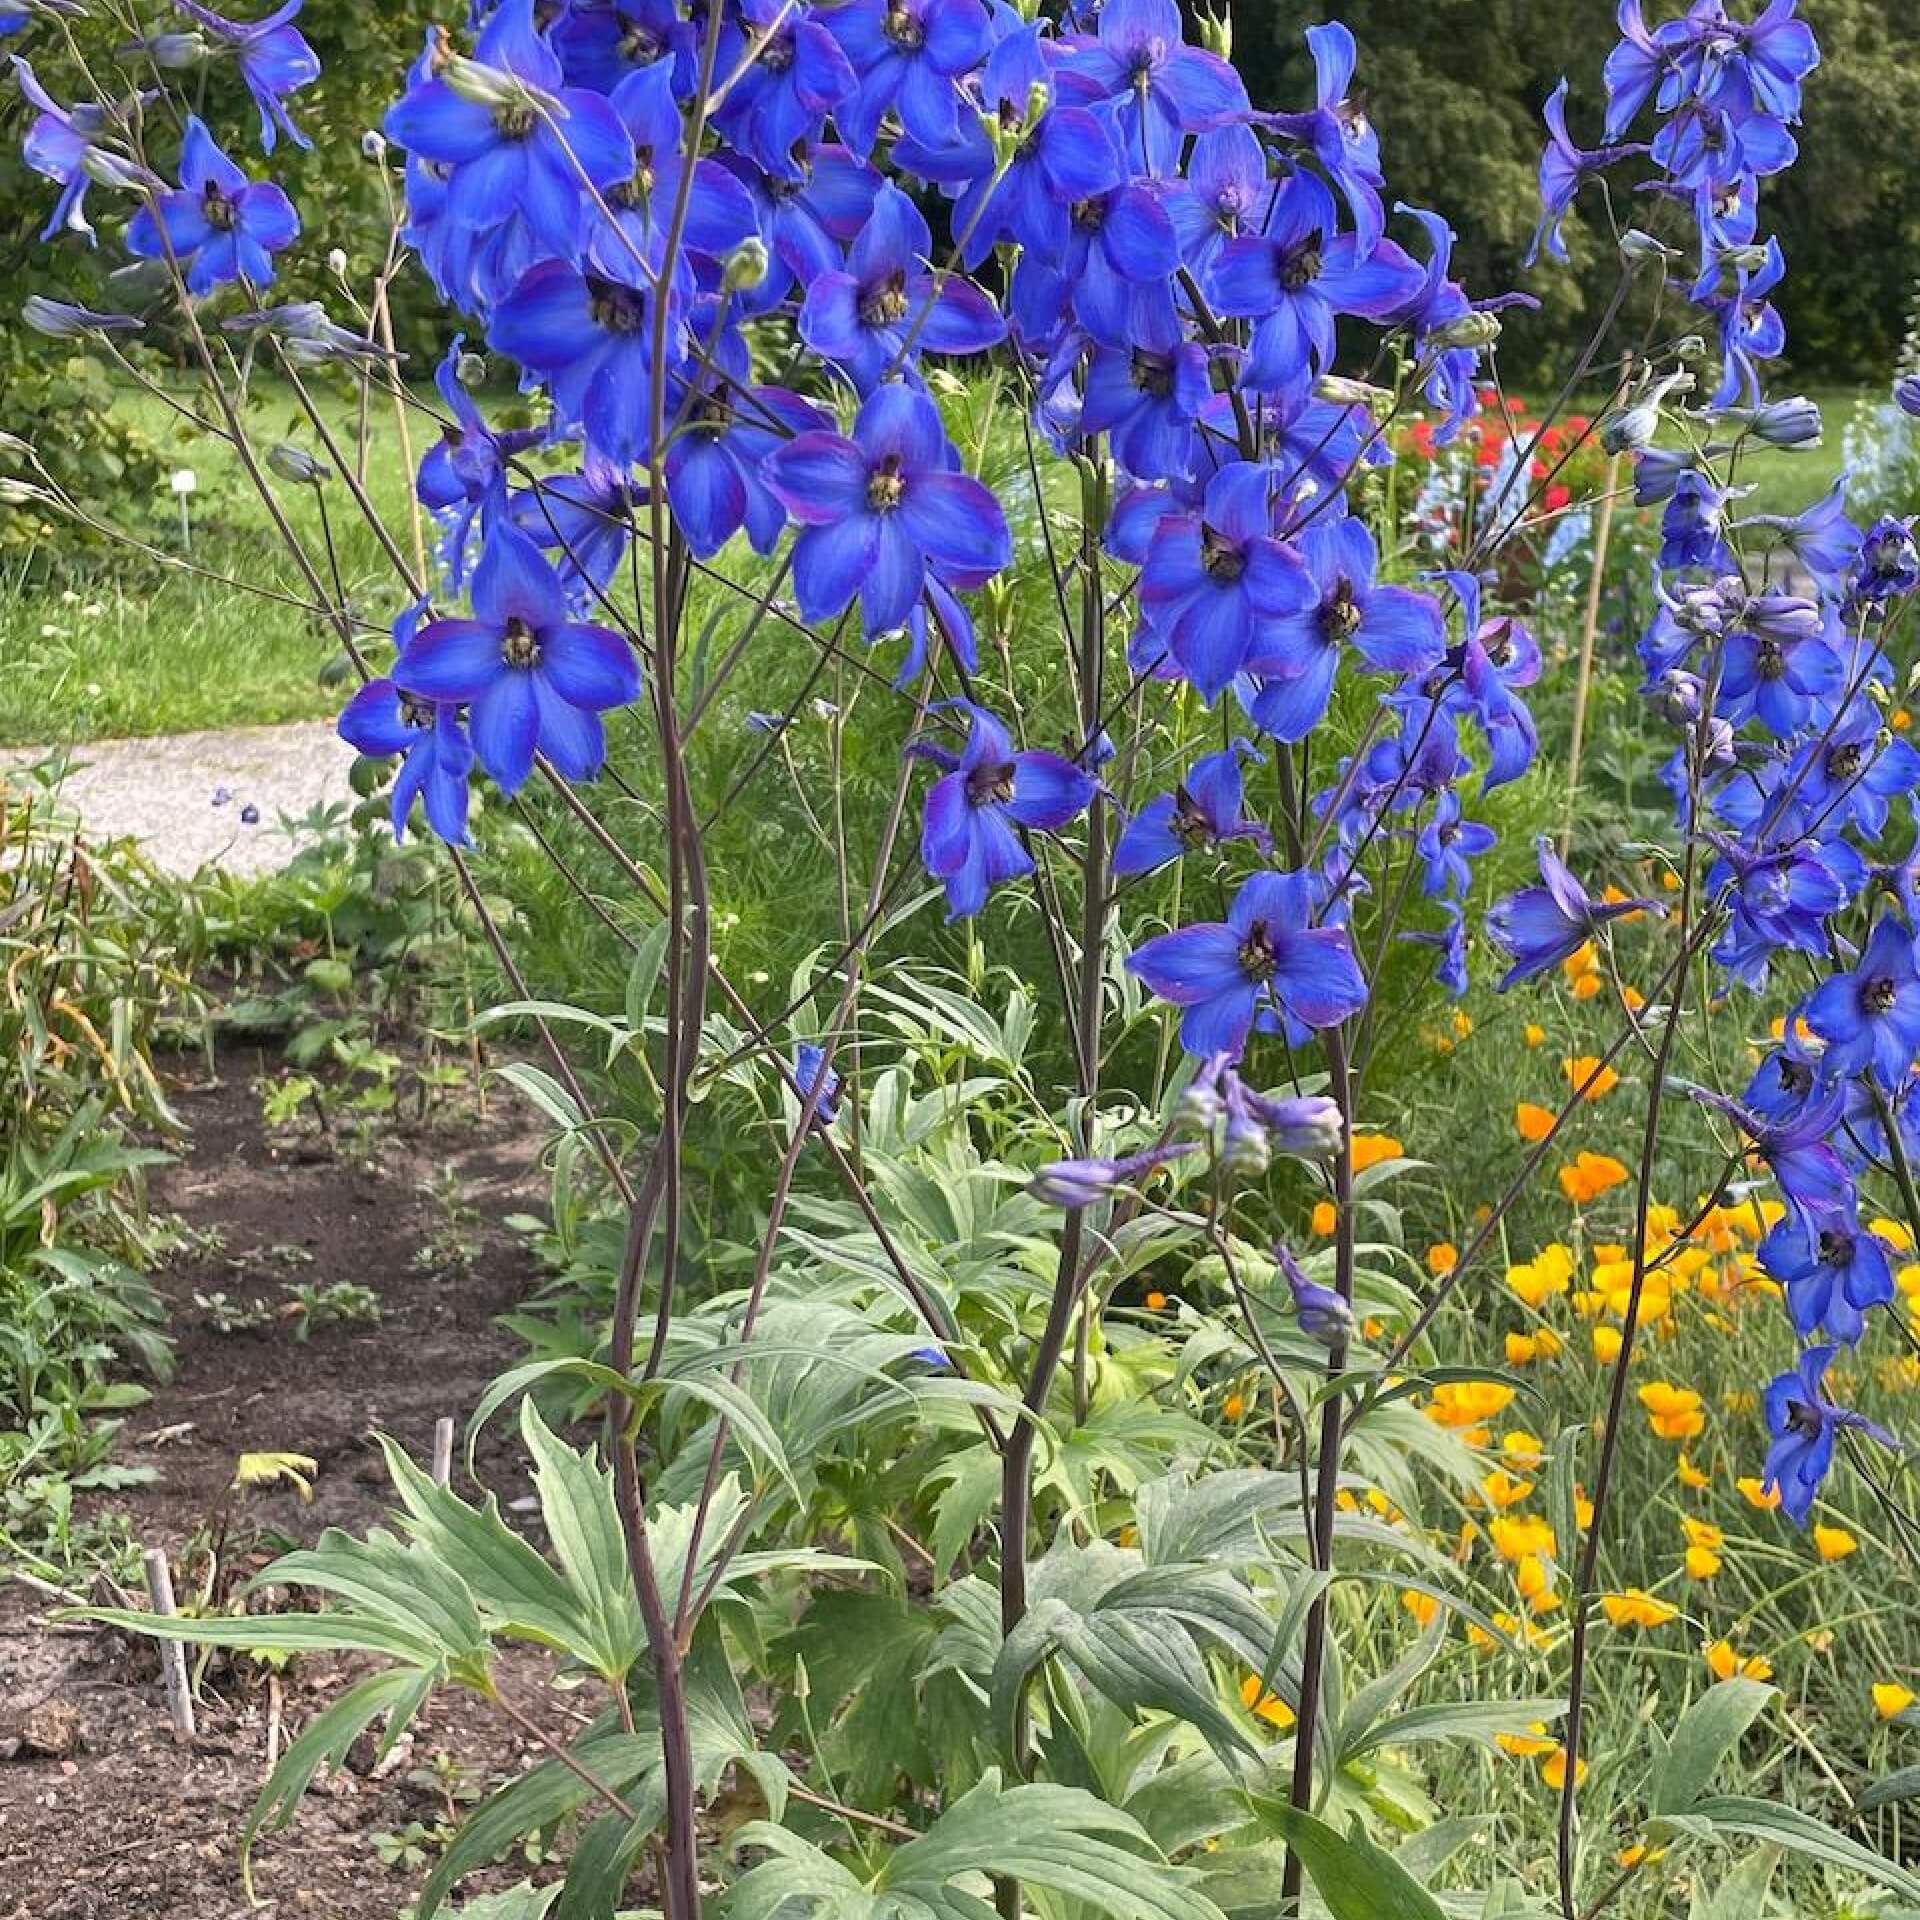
column 534, row 678
column 218, row 225
column 1796, row 1150
column 1539, row 926
column 877, row 315
column 1205, row 810
column 601, row 42
column 1564, row 169
column 1804, row 1424
column 1870, row 1017
column 907, row 57
column 1833, row 1274
column 716, row 475
column 1149, row 404
column 809, row 1061
column 584, row 518
column 57, row 146
column 463, row 476
column 1266, row 960
column 1215, row 582
column 1161, row 89
column 274, row 58
column 62, row 320
column 517, row 155
column 780, row 97
column 1086, row 1182
column 1222, row 194
column 1887, row 565
column 1447, row 846
column 1338, row 130
column 877, row 510
column 1323, row 1315
column 436, row 759
column 969, row 838
column 1393, row 629
column 1295, row 279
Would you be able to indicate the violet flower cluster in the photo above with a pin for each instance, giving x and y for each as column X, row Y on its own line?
column 1770, row 654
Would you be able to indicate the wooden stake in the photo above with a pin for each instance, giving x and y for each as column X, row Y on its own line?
column 173, row 1656
column 443, row 1451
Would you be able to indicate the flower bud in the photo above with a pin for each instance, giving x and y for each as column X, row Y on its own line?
column 1793, row 422
column 337, row 262
column 1906, row 394
column 1306, row 1125
column 1200, row 1106
column 1323, row 1315
column 373, row 146
column 1630, row 430
column 60, row 320
column 471, row 369
column 22, row 493
column 292, row 463
column 1638, row 248
column 114, row 170
column 1338, row 391
column 1244, row 1152
column 1475, row 329
column 1676, row 696
column 488, row 86
column 1691, row 347
column 172, row 51
column 746, row 266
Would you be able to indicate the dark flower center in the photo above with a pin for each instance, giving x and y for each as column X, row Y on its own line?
column 219, row 210
column 520, row 645
column 1499, row 648
column 1836, row 1249
column 1257, row 958
column 1144, row 58
column 1222, row 560
column 1189, row 823
column 1844, row 762
column 1090, row 215
column 1771, row 661
column 1152, row 374
column 777, row 55
column 990, row 786
column 515, row 122
column 639, row 44
column 1878, row 996
column 637, row 191
column 1339, row 617
column 886, row 485
column 902, row 28
column 1883, row 553
column 1796, row 1077
column 612, row 307
column 1300, row 268
column 1803, row 1419
column 415, row 712
column 885, row 305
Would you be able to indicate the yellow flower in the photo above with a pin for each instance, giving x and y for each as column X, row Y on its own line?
column 1523, row 1450
column 1550, row 1271
column 1553, row 1770
column 1691, row 1477
column 1585, row 1068
column 1582, row 1510
column 1535, row 1123
column 1638, row 1608
column 1606, row 1345
column 1518, row 1536
column 1674, row 1413
column 1724, row 1661
column 1834, row 1543
column 1324, row 1218
column 1535, row 1035
column 1442, row 1257
column 1467, row 1403
column 1462, row 1024
column 1639, row 1855
column 1370, row 1149
column 1423, row 1606
column 1895, row 1233
column 1889, row 1699
column 1526, row 1745
column 1265, row 1706
column 1702, row 1563
column 1502, row 1490
column 1522, row 1348
column 1751, row 1492
column 1701, row 1534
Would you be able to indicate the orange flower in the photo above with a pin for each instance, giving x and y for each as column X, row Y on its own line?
column 1535, row 1123
column 1502, row 1490
column 1369, row 1149
column 1553, row 1770
column 1534, row 1035
column 1265, row 1706
column 1585, row 1071
column 1690, row 1476
column 1423, row 1606
column 1325, row 1219
column 1606, row 1345
column 1751, row 1491
column 1442, row 1257
column 1638, row 1608
column 1834, row 1543
column 1467, row 1403
column 1724, row 1661
column 1156, row 1302
column 1589, row 1175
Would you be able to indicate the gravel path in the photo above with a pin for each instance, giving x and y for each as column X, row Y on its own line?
column 163, row 791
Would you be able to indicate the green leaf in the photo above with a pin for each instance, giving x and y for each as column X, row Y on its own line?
column 1353, row 1876
column 1742, row 1895
column 1802, row 1834
column 576, row 1502
column 1708, row 1731
column 1902, row 1785
column 274, row 1633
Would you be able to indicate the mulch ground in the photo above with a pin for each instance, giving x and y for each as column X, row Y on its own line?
column 102, row 1815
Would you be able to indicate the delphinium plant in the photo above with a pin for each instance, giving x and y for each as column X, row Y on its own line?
column 1023, row 375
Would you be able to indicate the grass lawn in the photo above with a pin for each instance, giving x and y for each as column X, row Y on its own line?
column 125, row 643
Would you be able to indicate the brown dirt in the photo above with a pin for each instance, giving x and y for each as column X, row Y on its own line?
column 123, row 1824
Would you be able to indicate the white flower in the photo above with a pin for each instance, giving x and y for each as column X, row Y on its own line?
column 184, row 481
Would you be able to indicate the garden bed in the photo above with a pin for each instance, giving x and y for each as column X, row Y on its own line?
column 101, row 1813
